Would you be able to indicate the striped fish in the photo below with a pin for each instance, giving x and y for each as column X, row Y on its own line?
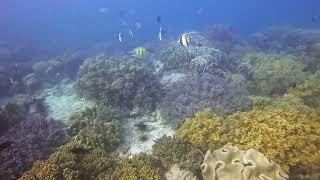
column 140, row 52
column 184, row 40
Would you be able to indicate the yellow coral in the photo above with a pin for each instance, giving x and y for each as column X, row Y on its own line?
column 288, row 136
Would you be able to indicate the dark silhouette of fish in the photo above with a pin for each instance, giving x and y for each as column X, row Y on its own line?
column 4, row 145
column 159, row 21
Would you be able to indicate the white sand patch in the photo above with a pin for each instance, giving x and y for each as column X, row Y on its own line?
column 155, row 130
column 62, row 101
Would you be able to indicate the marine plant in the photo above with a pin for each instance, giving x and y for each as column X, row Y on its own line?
column 186, row 97
column 289, row 136
column 72, row 161
column 272, row 75
column 141, row 166
column 176, row 151
column 119, row 82
column 32, row 139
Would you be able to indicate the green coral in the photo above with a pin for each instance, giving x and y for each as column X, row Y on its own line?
column 72, row 161
column 271, row 75
column 96, row 128
column 119, row 82
column 138, row 167
column 173, row 150
column 288, row 136
column 10, row 115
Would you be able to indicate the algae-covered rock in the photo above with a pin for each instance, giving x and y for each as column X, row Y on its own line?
column 119, row 82
column 231, row 163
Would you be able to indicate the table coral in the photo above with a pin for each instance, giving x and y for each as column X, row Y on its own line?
column 231, row 163
column 288, row 136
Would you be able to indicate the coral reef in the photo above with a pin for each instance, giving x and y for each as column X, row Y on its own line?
column 96, row 128
column 175, row 173
column 10, row 115
column 182, row 153
column 198, row 60
column 119, row 82
column 186, row 97
column 309, row 91
column 140, row 166
column 221, row 36
column 72, row 161
column 288, row 136
column 271, row 75
column 231, row 163
column 32, row 139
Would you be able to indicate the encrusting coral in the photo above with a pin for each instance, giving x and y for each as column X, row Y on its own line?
column 289, row 136
column 231, row 163
column 269, row 75
column 119, row 82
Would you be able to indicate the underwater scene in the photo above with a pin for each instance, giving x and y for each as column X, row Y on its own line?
column 160, row 90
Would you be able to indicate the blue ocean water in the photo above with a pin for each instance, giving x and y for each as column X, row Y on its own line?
column 81, row 22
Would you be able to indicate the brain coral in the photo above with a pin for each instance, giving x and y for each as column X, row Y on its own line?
column 186, row 97
column 119, row 82
column 231, row 163
column 288, row 136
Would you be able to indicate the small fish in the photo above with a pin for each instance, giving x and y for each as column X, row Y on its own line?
column 159, row 20
column 160, row 34
column 79, row 150
column 279, row 66
column 5, row 145
column 103, row 10
column 138, row 25
column 120, row 37
column 130, row 33
column 184, row 40
column 139, row 52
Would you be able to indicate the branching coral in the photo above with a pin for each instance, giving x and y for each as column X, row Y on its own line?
column 96, row 128
column 10, row 115
column 140, row 166
column 205, row 90
column 231, row 163
column 32, row 139
column 273, row 76
column 72, row 161
column 119, row 82
column 198, row 59
column 173, row 151
column 288, row 136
